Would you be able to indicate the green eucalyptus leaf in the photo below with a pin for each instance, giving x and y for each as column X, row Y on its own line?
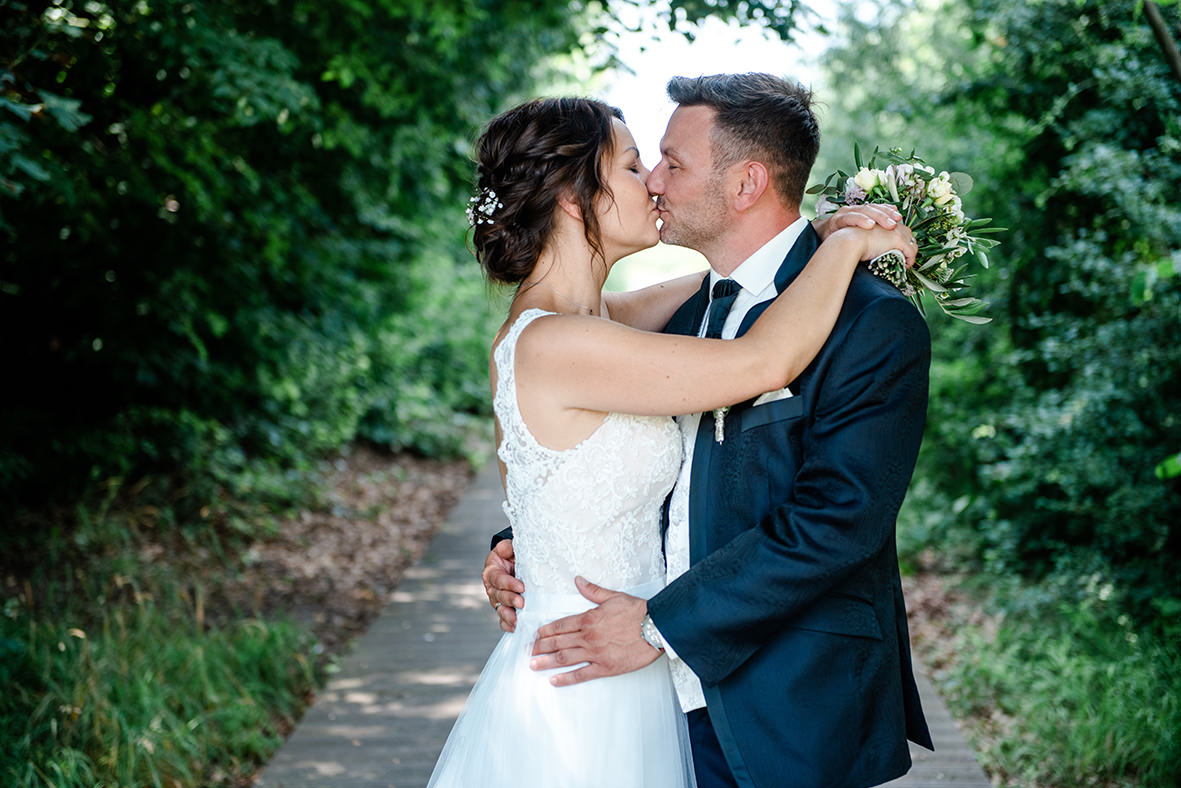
column 930, row 284
column 961, row 181
column 973, row 319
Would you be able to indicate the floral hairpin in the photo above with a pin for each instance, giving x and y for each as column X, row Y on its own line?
column 482, row 206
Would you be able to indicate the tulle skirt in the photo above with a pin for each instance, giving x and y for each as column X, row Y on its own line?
column 519, row 731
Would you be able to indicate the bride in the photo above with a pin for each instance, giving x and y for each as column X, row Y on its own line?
column 583, row 389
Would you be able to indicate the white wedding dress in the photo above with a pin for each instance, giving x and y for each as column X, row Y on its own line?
column 593, row 510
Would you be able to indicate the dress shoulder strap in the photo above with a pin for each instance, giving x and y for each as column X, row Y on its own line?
column 505, row 359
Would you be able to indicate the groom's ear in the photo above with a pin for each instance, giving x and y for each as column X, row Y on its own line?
column 753, row 181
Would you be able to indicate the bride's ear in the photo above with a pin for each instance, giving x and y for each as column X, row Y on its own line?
column 569, row 206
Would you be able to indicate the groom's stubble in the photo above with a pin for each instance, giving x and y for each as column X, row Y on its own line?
column 696, row 224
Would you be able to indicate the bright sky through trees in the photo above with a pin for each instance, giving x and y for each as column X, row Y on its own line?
column 654, row 55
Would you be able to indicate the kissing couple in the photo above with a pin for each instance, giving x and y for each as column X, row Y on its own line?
column 700, row 582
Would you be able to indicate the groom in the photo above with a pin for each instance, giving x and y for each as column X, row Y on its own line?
column 783, row 618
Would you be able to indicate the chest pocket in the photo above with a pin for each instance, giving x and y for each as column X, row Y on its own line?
column 766, row 452
column 771, row 412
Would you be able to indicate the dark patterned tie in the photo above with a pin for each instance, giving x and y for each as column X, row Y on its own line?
column 724, row 293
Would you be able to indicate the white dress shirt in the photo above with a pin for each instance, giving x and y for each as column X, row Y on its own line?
column 756, row 275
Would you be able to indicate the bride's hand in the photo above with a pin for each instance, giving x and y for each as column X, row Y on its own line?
column 863, row 216
column 877, row 240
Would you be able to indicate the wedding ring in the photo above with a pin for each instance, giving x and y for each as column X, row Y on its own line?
column 497, row 606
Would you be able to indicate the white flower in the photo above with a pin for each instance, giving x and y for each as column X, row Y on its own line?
column 939, row 189
column 890, row 178
column 867, row 179
column 825, row 206
column 482, row 206
column 954, row 207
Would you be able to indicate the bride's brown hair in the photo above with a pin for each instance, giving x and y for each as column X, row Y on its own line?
column 526, row 159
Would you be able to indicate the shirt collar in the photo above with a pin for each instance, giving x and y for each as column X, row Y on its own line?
column 757, row 272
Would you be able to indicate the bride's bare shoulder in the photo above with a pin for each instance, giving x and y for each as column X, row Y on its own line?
column 529, row 331
column 557, row 333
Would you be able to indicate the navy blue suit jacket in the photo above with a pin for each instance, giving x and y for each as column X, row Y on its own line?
column 791, row 612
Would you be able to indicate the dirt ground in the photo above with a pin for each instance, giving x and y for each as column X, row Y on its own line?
column 333, row 568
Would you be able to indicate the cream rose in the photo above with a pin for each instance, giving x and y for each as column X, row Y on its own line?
column 866, row 179
column 939, row 189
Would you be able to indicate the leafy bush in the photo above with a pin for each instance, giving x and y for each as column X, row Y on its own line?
column 1072, row 695
column 226, row 226
column 1045, row 428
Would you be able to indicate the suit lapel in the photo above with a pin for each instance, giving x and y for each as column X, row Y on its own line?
column 701, row 503
column 687, row 319
column 797, row 257
column 687, row 322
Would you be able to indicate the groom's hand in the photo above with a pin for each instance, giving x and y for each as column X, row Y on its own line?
column 502, row 587
column 607, row 637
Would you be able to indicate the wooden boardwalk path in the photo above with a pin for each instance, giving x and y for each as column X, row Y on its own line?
column 382, row 720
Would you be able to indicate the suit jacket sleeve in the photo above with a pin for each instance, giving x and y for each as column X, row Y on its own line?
column 500, row 536
column 858, row 454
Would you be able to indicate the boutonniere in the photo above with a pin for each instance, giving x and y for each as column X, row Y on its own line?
column 720, row 423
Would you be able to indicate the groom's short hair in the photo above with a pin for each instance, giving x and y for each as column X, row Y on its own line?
column 761, row 117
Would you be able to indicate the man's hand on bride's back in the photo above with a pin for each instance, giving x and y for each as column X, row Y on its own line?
column 502, row 587
column 607, row 637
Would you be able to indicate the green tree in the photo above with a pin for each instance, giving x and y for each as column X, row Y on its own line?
column 1046, row 427
column 236, row 230
column 233, row 233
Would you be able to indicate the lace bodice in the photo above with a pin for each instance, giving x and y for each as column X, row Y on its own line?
column 591, row 510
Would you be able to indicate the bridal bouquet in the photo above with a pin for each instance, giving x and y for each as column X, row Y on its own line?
column 931, row 206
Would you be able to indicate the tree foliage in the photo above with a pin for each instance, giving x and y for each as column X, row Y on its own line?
column 235, row 231
column 1046, row 428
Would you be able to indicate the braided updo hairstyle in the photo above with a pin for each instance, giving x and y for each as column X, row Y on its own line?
column 526, row 159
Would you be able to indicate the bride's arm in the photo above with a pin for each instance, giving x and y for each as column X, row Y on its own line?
column 592, row 364
column 650, row 308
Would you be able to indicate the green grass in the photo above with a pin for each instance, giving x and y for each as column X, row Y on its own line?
column 143, row 698
column 113, row 674
column 1072, row 695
